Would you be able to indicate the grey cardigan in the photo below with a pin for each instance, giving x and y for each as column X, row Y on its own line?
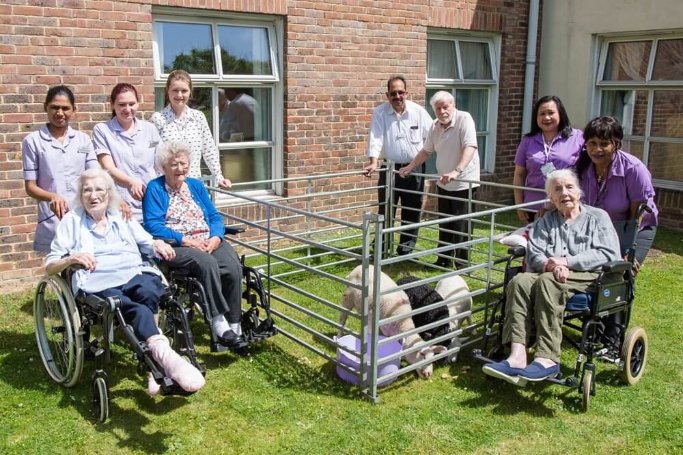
column 587, row 242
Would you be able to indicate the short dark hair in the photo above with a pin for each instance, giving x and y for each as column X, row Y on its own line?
column 58, row 90
column 397, row 78
column 564, row 128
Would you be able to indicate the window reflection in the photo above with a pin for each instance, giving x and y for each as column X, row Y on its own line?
column 668, row 60
column 476, row 63
column 441, row 59
column 244, row 114
column 244, row 50
column 185, row 46
column 627, row 61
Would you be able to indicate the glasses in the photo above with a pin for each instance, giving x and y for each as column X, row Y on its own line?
column 96, row 192
column 179, row 165
column 397, row 93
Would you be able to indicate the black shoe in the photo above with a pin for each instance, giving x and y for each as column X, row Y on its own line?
column 446, row 263
column 231, row 340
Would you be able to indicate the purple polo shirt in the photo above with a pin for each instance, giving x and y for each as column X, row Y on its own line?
column 531, row 154
column 55, row 167
column 627, row 181
column 133, row 153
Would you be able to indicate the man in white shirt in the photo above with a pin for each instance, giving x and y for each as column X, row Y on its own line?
column 397, row 133
column 453, row 137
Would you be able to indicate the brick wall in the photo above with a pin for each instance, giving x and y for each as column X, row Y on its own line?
column 337, row 57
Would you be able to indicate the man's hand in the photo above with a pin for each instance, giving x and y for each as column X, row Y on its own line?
column 406, row 170
column 370, row 168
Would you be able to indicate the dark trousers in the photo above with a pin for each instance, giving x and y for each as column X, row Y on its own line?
column 220, row 273
column 411, row 204
column 462, row 230
column 139, row 303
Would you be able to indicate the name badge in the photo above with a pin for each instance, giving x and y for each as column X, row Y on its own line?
column 153, row 144
column 547, row 168
column 84, row 149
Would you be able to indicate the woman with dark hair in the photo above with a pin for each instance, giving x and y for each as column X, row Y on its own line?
column 551, row 144
column 53, row 158
column 179, row 122
column 126, row 145
column 618, row 183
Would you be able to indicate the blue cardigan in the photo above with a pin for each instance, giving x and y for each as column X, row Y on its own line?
column 155, row 206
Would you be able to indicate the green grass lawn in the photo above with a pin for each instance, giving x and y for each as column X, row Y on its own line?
column 282, row 398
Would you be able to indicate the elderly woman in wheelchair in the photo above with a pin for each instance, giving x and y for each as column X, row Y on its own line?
column 565, row 252
column 105, row 250
column 178, row 209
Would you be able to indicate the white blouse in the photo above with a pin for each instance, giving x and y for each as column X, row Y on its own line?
column 192, row 129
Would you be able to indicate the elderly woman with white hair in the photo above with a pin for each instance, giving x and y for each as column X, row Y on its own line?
column 106, row 250
column 177, row 208
column 567, row 247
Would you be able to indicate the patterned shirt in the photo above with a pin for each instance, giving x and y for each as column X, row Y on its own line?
column 193, row 130
column 184, row 215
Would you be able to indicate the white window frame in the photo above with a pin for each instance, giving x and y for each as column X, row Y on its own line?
column 488, row 162
column 648, row 85
column 274, row 26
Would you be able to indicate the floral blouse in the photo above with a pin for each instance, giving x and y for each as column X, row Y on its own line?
column 184, row 215
column 193, row 130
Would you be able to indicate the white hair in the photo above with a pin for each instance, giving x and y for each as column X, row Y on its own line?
column 441, row 95
column 560, row 174
column 112, row 192
column 169, row 150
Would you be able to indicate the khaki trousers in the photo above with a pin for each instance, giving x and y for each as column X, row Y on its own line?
column 538, row 299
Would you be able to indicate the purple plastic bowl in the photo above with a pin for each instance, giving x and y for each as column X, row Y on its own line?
column 353, row 361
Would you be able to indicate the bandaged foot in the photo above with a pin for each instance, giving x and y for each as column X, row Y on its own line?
column 176, row 368
column 152, row 387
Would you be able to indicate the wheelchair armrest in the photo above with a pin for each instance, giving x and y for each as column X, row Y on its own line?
column 617, row 266
column 234, row 230
column 517, row 251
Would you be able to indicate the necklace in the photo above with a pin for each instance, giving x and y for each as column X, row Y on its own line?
column 601, row 175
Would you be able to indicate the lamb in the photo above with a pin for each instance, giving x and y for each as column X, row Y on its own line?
column 391, row 304
column 449, row 288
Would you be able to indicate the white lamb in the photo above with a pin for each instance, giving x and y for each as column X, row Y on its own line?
column 391, row 304
column 455, row 291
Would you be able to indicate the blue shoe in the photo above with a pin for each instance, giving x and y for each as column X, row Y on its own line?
column 503, row 370
column 536, row 372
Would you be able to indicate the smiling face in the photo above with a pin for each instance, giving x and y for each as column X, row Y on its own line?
column 178, row 95
column 125, row 106
column 94, row 196
column 601, row 151
column 59, row 111
column 565, row 194
column 548, row 118
column 175, row 170
column 397, row 95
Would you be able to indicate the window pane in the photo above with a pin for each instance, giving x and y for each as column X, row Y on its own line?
column 666, row 161
column 244, row 50
column 247, row 114
column 627, row 61
column 627, row 106
column 441, row 60
column 668, row 61
column 633, row 147
column 248, row 165
column 185, row 46
column 476, row 61
column 667, row 113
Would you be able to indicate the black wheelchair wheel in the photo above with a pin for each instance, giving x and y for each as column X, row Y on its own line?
column 586, row 389
column 634, row 355
column 100, row 399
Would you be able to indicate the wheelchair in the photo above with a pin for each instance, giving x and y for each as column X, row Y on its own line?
column 588, row 315
column 71, row 329
column 191, row 296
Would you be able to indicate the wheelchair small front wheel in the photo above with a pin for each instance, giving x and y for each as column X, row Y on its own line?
column 586, row 388
column 634, row 355
column 100, row 399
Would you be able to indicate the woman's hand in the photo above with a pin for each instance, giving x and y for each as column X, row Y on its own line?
column 561, row 273
column 554, row 262
column 163, row 250
column 58, row 206
column 225, row 183
column 126, row 212
column 212, row 244
column 523, row 216
column 86, row 260
column 137, row 189
column 193, row 243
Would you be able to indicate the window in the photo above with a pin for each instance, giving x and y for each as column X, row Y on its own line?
column 468, row 67
column 640, row 82
column 234, row 63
